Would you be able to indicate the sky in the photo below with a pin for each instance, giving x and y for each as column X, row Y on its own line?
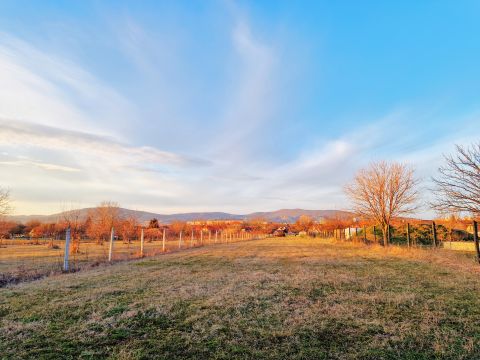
column 236, row 106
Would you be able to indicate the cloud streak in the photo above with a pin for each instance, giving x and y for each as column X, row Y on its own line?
column 29, row 134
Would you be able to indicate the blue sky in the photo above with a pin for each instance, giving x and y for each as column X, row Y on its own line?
column 233, row 106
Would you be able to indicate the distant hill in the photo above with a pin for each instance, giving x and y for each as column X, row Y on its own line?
column 291, row 215
column 283, row 215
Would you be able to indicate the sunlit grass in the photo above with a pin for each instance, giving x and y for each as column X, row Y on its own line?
column 275, row 298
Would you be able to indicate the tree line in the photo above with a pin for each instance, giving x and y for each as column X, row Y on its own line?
column 384, row 191
column 380, row 193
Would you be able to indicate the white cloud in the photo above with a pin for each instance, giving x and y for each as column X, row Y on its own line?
column 50, row 90
column 29, row 134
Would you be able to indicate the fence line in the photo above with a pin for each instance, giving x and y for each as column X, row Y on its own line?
column 412, row 236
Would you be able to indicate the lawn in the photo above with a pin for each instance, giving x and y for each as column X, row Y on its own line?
column 275, row 298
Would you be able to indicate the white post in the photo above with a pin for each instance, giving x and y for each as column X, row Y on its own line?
column 180, row 240
column 216, row 235
column 141, row 243
column 163, row 240
column 201, row 237
column 191, row 239
column 67, row 250
column 110, row 252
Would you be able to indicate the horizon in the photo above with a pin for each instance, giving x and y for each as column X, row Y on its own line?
column 226, row 106
column 182, row 213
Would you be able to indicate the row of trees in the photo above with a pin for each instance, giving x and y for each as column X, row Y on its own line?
column 385, row 191
column 379, row 193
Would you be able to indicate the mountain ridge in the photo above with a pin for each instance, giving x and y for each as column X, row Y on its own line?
column 281, row 215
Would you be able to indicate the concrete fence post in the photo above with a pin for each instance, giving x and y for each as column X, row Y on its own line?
column 216, row 236
column 191, row 239
column 67, row 250
column 142, row 238
column 180, row 240
column 201, row 237
column 110, row 252
column 163, row 241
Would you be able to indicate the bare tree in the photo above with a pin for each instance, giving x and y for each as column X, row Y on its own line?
column 72, row 218
column 102, row 219
column 5, row 202
column 304, row 223
column 457, row 187
column 382, row 192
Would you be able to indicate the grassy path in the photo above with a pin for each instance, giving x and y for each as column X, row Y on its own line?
column 275, row 298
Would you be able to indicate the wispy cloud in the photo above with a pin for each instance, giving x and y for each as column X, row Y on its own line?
column 48, row 89
column 29, row 134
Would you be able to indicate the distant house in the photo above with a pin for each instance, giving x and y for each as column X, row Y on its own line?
column 281, row 231
column 470, row 230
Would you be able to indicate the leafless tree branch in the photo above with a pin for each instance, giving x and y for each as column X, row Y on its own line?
column 457, row 186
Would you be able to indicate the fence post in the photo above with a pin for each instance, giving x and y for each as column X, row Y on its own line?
column 201, row 237
column 141, row 243
column 163, row 241
column 434, row 232
column 408, row 235
column 210, row 236
column 67, row 250
column 110, row 252
column 180, row 240
column 475, row 239
column 216, row 235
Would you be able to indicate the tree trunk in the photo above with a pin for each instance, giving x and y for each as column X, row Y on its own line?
column 386, row 235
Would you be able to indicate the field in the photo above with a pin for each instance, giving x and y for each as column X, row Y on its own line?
column 274, row 298
column 22, row 260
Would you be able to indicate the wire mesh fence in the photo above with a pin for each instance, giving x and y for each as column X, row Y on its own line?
column 24, row 259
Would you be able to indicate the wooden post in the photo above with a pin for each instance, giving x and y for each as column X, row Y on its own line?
column 180, row 240
column 434, row 233
column 110, row 252
column 408, row 235
column 389, row 235
column 201, row 237
column 163, row 241
column 475, row 239
column 191, row 239
column 67, row 250
column 374, row 234
column 141, row 243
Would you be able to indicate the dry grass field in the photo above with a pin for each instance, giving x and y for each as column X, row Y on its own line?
column 22, row 260
column 277, row 298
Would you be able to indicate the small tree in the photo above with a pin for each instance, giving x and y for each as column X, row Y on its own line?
column 382, row 192
column 457, row 187
column 5, row 202
column 304, row 223
column 102, row 219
